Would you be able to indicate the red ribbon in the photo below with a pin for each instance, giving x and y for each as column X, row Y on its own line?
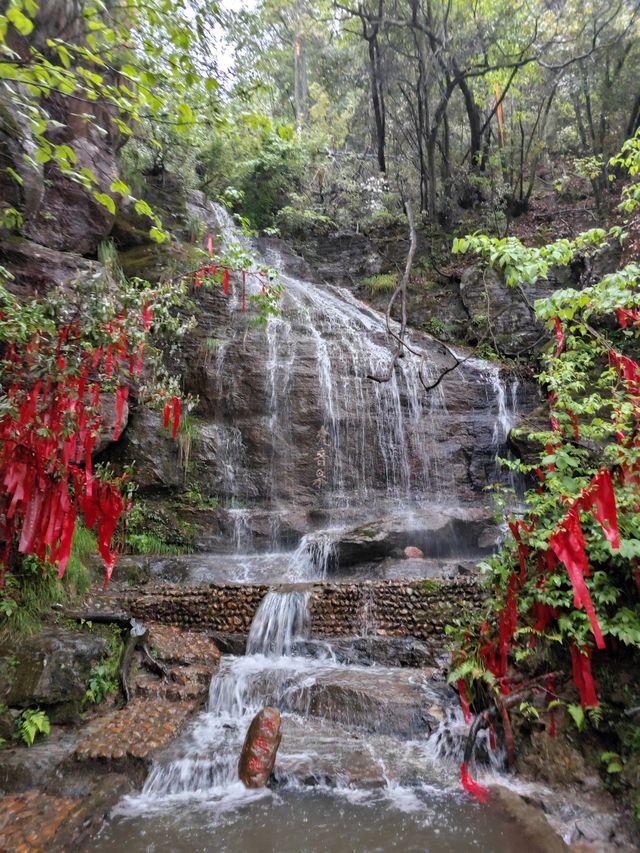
column 569, row 546
column 469, row 784
column 599, row 497
column 582, row 677
column 122, row 392
column 464, row 701
column 559, row 336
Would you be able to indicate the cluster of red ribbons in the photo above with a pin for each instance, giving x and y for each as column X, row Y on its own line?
column 211, row 270
column 47, row 438
column 172, row 409
column 627, row 317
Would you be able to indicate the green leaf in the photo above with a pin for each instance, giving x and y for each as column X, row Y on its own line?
column 16, row 177
column 19, row 21
column 120, row 187
column 577, row 714
column 143, row 208
column 106, row 200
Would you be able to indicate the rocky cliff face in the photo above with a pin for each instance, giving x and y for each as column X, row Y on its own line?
column 292, row 428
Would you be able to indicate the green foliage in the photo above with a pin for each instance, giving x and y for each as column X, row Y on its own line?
column 593, row 426
column 270, row 178
column 149, row 543
column 195, row 497
column 301, row 222
column 435, row 326
column 129, row 58
column 32, row 588
column 150, row 531
column 523, row 265
column 381, row 283
column 101, row 682
column 31, row 723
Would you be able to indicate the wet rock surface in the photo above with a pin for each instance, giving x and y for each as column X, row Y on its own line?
column 436, row 532
column 537, row 834
column 51, row 670
column 384, row 701
column 508, row 309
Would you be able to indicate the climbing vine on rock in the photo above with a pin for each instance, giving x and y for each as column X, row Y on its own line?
column 568, row 577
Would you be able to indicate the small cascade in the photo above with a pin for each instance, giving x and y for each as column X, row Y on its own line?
column 505, row 392
column 281, row 619
column 447, row 744
column 312, row 558
column 242, row 534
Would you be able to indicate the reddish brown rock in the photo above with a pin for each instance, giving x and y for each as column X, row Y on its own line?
column 411, row 551
column 261, row 744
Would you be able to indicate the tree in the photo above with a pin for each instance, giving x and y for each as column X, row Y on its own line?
column 66, row 66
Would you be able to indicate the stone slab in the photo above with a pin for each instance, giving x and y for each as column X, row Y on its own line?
column 30, row 821
column 135, row 732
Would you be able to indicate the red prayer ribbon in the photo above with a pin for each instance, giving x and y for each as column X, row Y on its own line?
column 469, row 784
column 569, row 546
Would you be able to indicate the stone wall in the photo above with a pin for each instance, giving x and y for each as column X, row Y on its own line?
column 419, row 609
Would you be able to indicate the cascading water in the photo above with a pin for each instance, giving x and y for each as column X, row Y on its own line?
column 333, row 439
column 281, row 620
column 389, row 445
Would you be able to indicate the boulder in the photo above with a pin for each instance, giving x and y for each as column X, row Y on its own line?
column 537, row 834
column 411, row 551
column 436, row 532
column 50, row 670
column 37, row 269
column 258, row 755
column 381, row 700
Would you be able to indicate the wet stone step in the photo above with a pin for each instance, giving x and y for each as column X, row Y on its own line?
column 29, row 822
column 187, row 683
column 377, row 699
column 135, row 732
column 174, row 645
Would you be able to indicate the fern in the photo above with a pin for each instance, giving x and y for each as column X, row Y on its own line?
column 31, row 723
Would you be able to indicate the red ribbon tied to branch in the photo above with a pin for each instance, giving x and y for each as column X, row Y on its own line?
column 582, row 677
column 469, row 784
column 570, row 548
column 559, row 335
column 600, row 499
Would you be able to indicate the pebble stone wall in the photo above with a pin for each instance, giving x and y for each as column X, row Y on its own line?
column 395, row 608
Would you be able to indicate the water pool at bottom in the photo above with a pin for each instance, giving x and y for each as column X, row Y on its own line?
column 317, row 822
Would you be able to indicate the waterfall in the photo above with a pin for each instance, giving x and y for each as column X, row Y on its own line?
column 280, row 620
column 325, row 431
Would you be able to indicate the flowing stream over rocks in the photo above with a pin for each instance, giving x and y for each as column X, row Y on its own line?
column 300, row 438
